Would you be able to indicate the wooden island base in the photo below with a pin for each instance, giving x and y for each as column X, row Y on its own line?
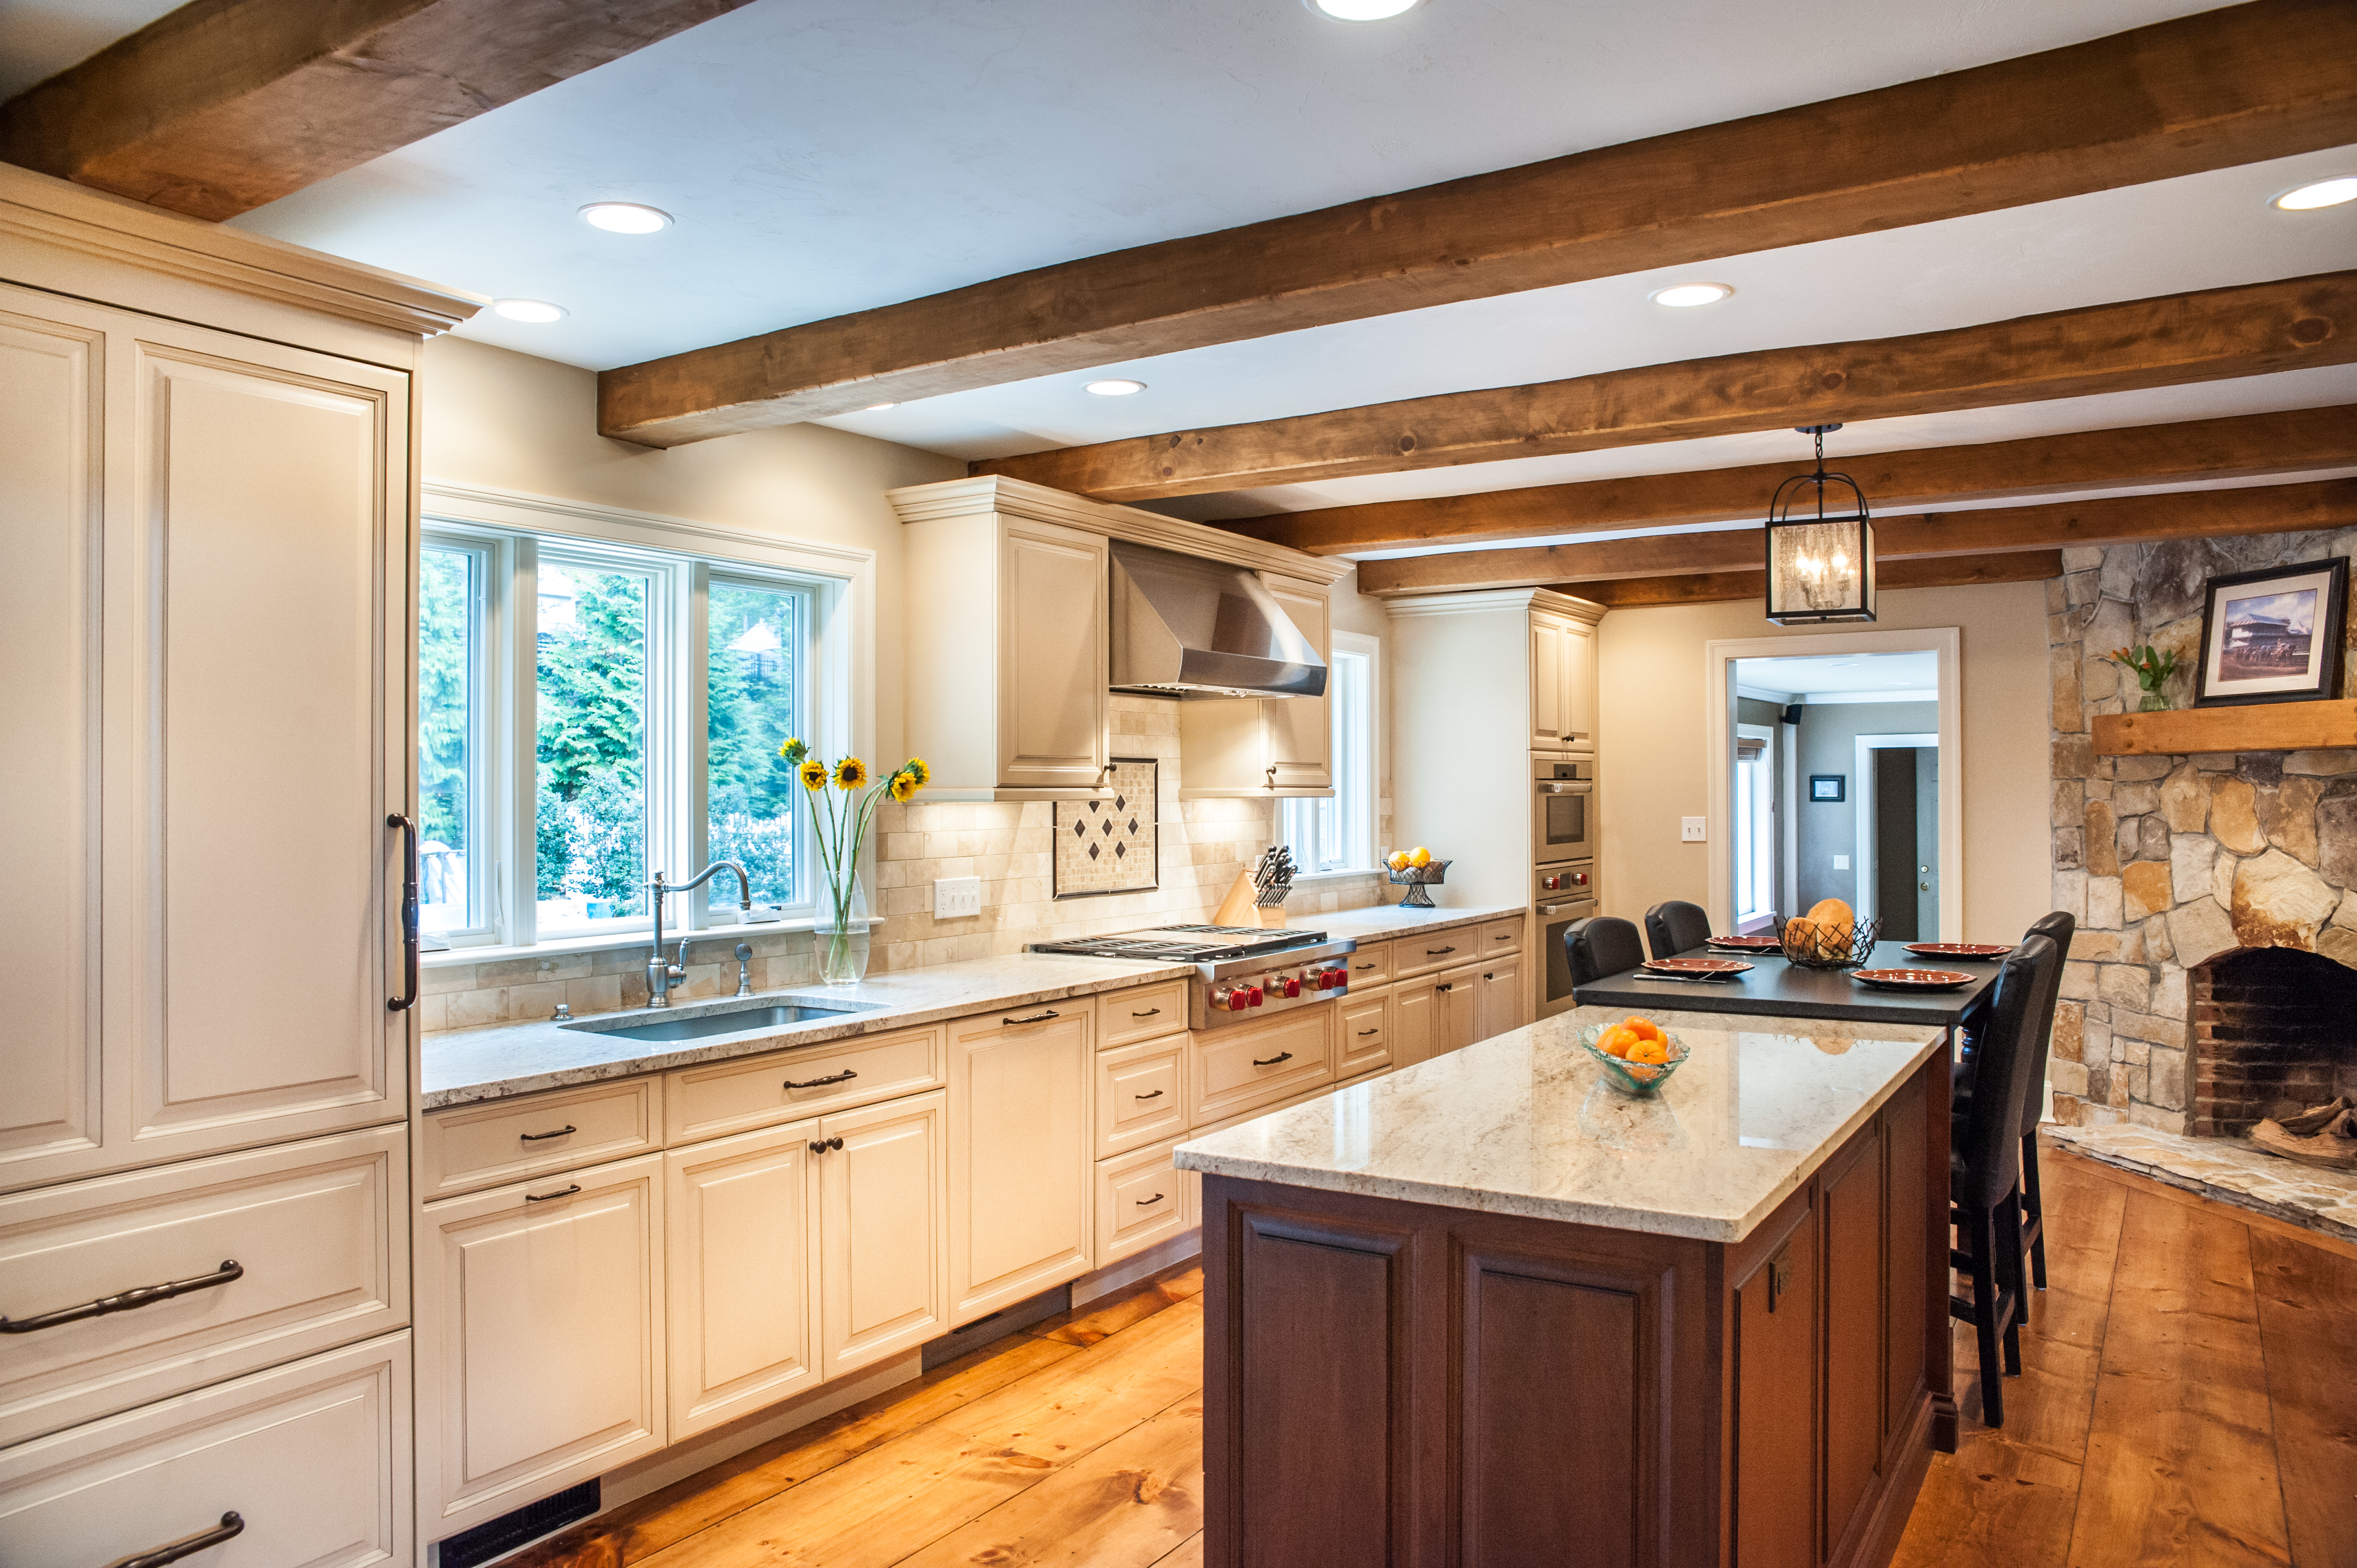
column 1395, row 1383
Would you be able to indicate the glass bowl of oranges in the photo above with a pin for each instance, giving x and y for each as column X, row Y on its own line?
column 1637, row 1053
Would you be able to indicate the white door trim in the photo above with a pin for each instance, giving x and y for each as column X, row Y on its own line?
column 1867, row 745
column 1945, row 643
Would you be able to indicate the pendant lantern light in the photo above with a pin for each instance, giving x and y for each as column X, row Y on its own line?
column 1819, row 546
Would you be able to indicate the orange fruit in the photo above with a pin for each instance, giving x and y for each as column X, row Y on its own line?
column 1644, row 1028
column 1649, row 1050
column 1614, row 1041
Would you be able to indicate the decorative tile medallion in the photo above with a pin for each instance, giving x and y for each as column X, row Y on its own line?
column 1108, row 845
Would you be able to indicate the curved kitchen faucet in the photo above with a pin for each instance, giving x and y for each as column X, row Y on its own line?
column 662, row 975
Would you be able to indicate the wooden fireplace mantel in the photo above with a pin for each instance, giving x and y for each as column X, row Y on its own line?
column 2260, row 726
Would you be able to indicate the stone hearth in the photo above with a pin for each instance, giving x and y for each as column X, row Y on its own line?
column 2172, row 861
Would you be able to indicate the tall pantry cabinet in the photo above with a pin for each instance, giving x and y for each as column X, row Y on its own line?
column 207, row 502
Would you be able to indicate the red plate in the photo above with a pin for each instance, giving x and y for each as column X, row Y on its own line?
column 1914, row 979
column 1958, row 949
column 1745, row 944
column 1716, row 968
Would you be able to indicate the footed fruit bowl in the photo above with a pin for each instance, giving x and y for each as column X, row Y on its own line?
column 1637, row 1078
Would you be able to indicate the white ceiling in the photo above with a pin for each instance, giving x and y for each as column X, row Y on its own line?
column 40, row 38
column 1893, row 677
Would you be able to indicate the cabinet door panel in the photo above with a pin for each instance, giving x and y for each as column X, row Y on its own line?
column 1299, row 732
column 1052, row 659
column 1140, row 1201
column 1459, row 1010
column 1775, row 1406
column 1854, row 1330
column 883, row 1283
column 1020, row 1158
column 1505, row 997
column 1908, row 1207
column 1579, row 686
column 52, row 484
column 539, row 1323
column 740, row 1243
column 1415, row 1022
column 1141, row 1093
column 1366, row 1035
column 1547, row 714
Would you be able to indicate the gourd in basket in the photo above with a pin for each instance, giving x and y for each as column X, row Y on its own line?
column 1830, row 936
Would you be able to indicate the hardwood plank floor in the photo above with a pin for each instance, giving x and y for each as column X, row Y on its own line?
column 2184, row 1399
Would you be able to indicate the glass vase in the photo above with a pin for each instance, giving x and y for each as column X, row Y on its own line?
column 2153, row 702
column 839, row 934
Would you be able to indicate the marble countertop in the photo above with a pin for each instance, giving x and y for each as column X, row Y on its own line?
column 1526, row 1123
column 1379, row 923
column 461, row 1066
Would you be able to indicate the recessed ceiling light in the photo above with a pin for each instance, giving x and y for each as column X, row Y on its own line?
column 1684, row 295
column 879, row 407
column 2318, row 193
column 533, row 310
column 1116, row 388
column 625, row 217
column 1361, row 10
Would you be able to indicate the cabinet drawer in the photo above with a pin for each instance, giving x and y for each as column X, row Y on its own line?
column 472, row 1146
column 1422, row 955
column 1370, row 964
column 1140, row 1201
column 1366, row 1038
column 319, row 1230
column 313, row 1456
column 1141, row 1094
column 760, row 1092
column 1148, row 1012
column 1501, row 935
column 1233, row 1070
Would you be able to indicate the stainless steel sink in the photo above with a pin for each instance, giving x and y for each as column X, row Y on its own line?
column 729, row 1021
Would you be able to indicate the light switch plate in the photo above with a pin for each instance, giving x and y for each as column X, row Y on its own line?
column 1841, row 862
column 956, row 898
column 1690, row 829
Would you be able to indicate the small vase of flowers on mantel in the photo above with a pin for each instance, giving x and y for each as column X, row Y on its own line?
column 2152, row 668
column 839, row 818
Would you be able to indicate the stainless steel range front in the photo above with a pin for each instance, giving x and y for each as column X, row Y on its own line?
column 1242, row 973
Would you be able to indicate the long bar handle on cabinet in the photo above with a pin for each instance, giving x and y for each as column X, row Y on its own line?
column 1034, row 1018
column 1149, row 1202
column 143, row 1296
column 543, row 1138
column 1435, row 952
column 1280, row 1057
column 846, row 1076
column 408, row 997
column 552, row 1196
column 1155, row 1095
column 1149, row 1013
column 231, row 1524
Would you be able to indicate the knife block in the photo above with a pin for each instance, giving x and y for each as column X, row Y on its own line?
column 1238, row 908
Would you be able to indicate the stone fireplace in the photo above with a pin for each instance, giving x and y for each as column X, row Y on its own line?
column 2272, row 1028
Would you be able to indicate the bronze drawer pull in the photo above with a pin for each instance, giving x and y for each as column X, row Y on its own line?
column 231, row 1524
column 1364, row 1033
column 542, row 1137
column 1280, row 1057
column 142, row 1295
column 1149, row 1202
column 820, row 1146
column 1435, row 952
column 551, row 1197
column 1034, row 1018
column 1366, row 966
column 1149, row 1013
column 1155, row 1095
column 846, row 1076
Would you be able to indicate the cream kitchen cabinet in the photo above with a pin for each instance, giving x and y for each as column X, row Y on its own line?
column 883, row 1263
column 540, row 1337
column 1563, row 683
column 1505, row 997
column 740, row 1261
column 1006, row 631
column 1435, row 1015
column 1270, row 747
column 1019, row 1151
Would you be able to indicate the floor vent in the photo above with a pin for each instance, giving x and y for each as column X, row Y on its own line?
column 497, row 1537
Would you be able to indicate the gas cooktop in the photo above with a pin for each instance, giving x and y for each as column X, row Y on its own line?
column 1187, row 944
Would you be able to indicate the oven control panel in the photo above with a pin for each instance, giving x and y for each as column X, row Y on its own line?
column 1237, row 998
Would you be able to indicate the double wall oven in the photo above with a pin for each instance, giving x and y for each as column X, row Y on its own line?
column 1563, row 877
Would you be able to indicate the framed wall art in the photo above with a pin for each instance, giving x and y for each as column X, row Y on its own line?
column 1828, row 786
column 2274, row 636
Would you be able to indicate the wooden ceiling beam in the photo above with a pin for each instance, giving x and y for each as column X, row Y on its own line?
column 1995, row 530
column 2249, row 82
column 2174, row 340
column 1722, row 587
column 223, row 105
column 2247, row 446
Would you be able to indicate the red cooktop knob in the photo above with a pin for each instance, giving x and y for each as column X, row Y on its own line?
column 1292, row 987
column 1253, row 995
column 1237, row 1002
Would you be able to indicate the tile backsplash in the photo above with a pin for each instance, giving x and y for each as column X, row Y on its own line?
column 1010, row 846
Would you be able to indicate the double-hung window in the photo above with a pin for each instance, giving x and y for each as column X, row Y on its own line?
column 1338, row 835
column 591, row 712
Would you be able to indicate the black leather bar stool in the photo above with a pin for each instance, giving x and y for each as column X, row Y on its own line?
column 1676, row 927
column 1985, row 1170
column 2061, row 927
column 1601, row 945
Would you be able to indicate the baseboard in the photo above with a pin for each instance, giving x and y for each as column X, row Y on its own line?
column 1138, row 1266
column 681, row 1460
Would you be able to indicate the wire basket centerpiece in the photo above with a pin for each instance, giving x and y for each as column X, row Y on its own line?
column 1416, row 879
column 1829, row 944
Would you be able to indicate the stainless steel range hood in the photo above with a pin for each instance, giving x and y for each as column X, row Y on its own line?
column 1186, row 626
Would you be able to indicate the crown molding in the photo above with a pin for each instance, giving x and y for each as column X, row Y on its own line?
column 1483, row 601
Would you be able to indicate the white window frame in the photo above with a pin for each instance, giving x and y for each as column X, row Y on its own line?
column 1752, row 920
column 484, row 813
column 1354, row 761
column 836, row 685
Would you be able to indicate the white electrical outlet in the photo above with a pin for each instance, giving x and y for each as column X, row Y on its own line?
column 956, row 898
column 1690, row 829
column 1841, row 862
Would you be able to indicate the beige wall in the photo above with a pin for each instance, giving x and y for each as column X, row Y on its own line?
column 1654, row 734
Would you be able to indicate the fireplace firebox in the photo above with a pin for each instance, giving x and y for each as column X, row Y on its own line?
column 2274, row 1030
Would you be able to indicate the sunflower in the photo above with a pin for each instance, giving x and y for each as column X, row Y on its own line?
column 916, row 769
column 794, row 750
column 813, row 774
column 850, row 773
column 903, row 786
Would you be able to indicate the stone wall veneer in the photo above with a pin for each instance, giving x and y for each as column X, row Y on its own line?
column 2168, row 861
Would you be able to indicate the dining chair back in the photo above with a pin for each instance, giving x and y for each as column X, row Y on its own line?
column 1676, row 927
column 1601, row 945
column 2061, row 927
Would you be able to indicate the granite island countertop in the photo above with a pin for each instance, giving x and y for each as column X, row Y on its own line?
column 1381, row 922
column 1526, row 1123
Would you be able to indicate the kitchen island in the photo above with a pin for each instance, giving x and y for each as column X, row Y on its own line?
column 1491, row 1310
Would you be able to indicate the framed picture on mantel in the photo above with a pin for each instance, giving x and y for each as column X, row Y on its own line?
column 2274, row 636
